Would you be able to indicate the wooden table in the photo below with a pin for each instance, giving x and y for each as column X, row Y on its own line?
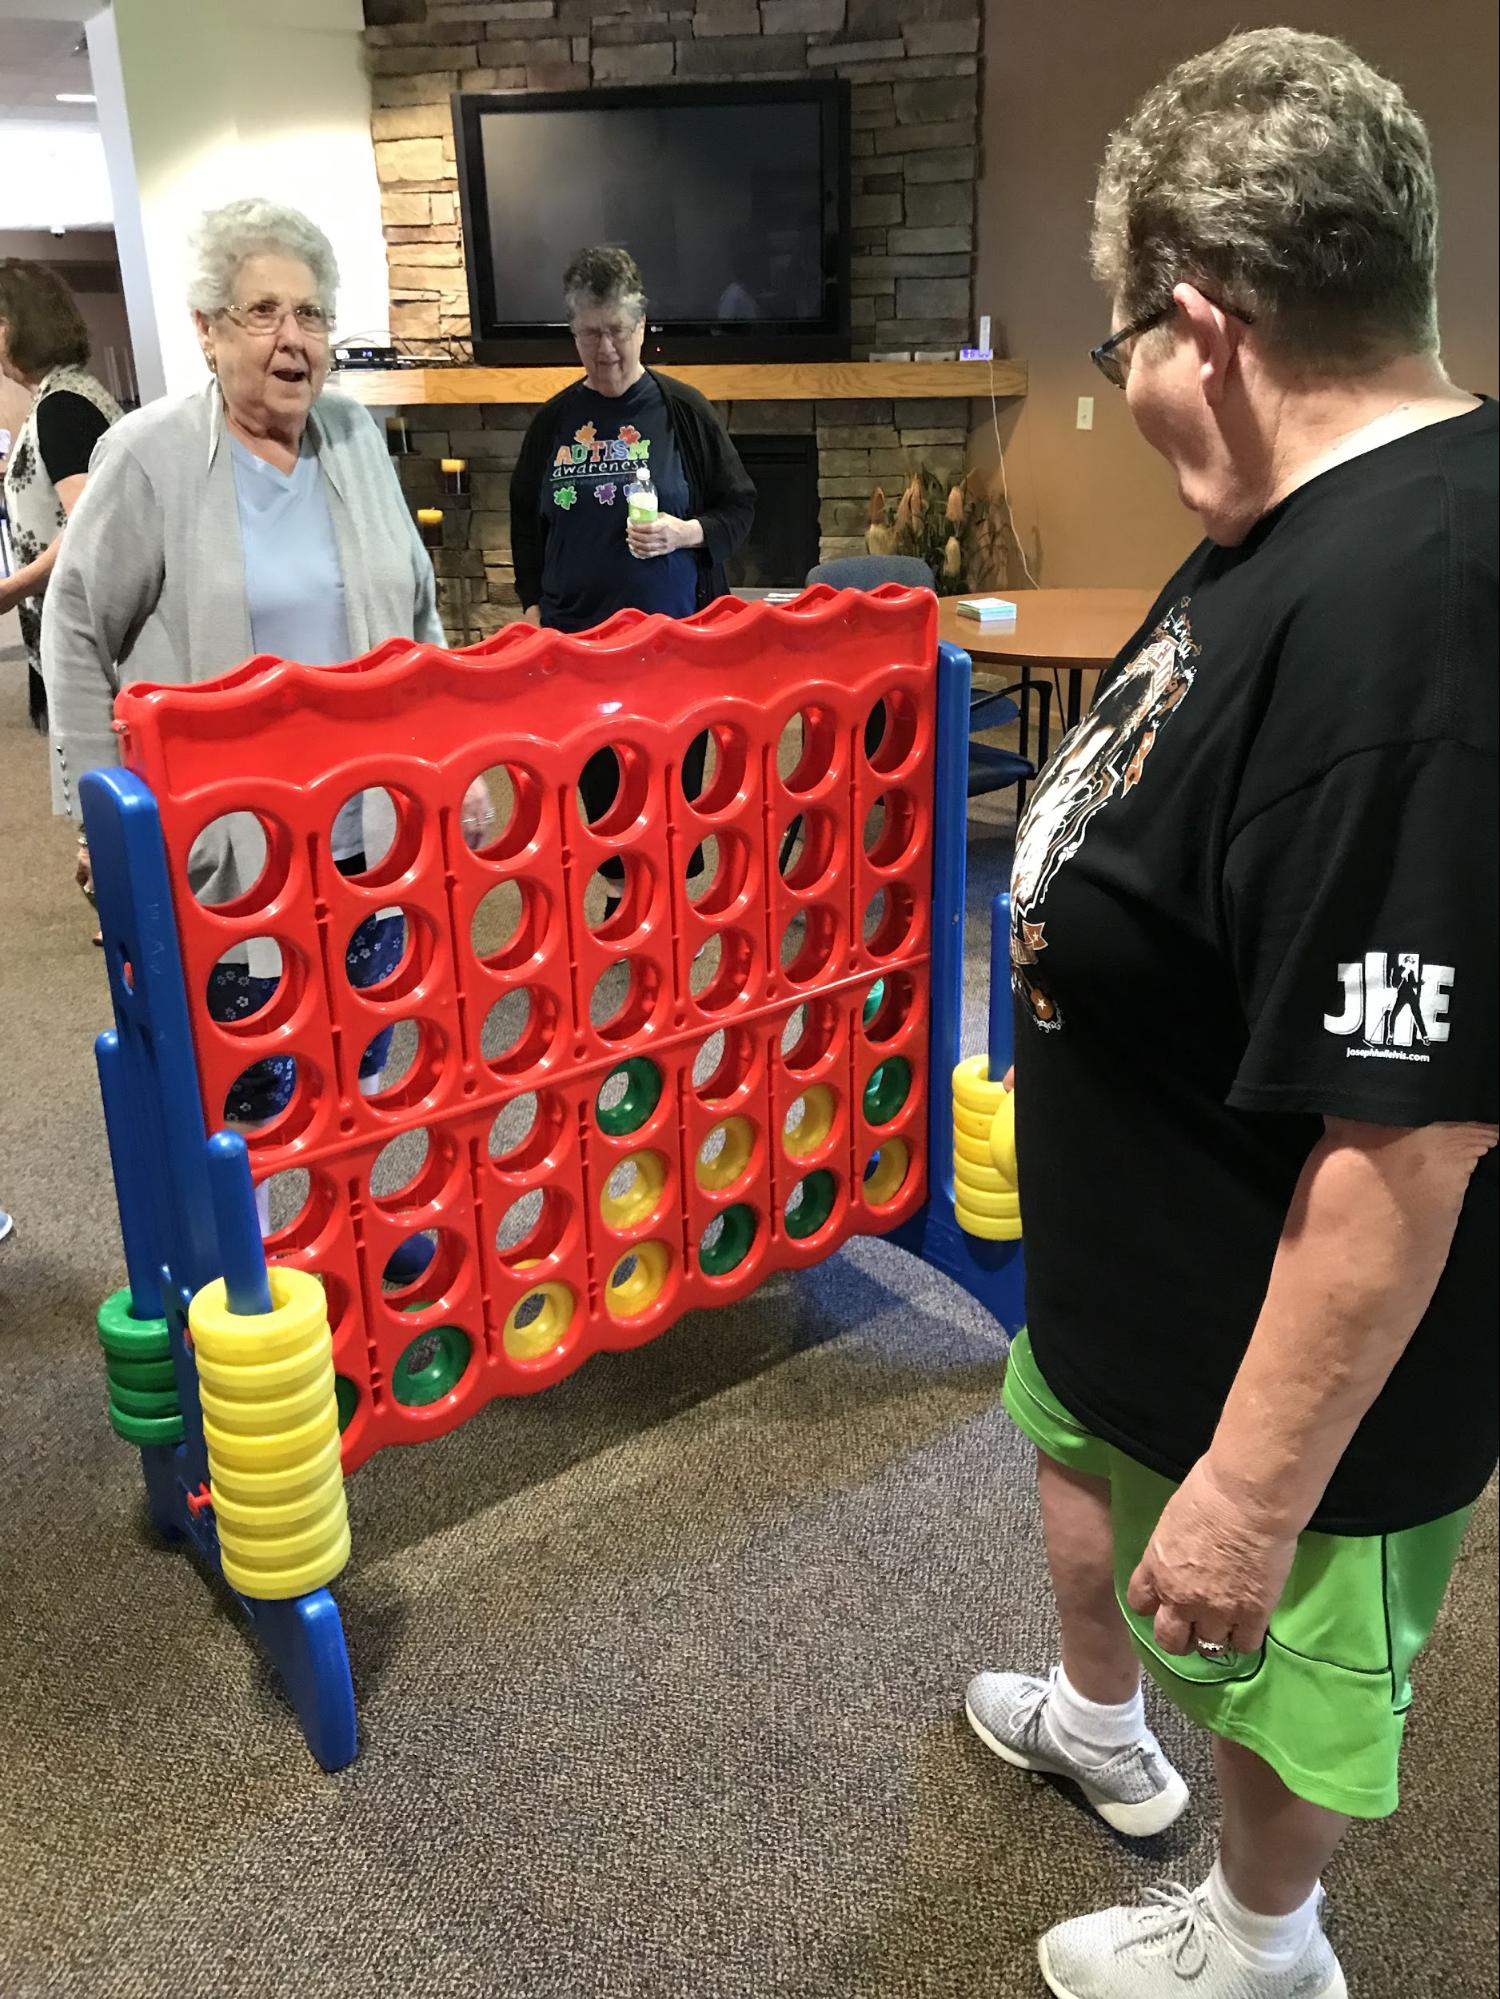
column 1070, row 631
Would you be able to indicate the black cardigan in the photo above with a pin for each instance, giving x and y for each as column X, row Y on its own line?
column 720, row 494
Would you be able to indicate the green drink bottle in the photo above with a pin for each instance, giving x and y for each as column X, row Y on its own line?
column 641, row 504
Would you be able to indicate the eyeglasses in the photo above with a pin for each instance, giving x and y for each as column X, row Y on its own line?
column 617, row 335
column 1107, row 357
column 265, row 315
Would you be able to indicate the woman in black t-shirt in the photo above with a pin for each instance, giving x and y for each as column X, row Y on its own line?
column 1253, row 951
column 576, row 561
column 43, row 347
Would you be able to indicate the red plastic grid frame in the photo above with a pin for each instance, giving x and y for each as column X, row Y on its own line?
column 753, row 922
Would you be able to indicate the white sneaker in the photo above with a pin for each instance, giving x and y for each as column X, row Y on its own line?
column 1137, row 1792
column 1172, row 1944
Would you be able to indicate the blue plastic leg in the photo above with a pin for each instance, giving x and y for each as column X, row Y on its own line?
column 304, row 1639
column 991, row 1272
column 163, row 1490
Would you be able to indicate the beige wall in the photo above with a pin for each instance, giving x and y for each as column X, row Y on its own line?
column 1098, row 507
column 203, row 101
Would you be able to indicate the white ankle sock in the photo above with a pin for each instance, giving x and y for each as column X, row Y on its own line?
column 1089, row 1731
column 263, row 1206
column 1269, row 1943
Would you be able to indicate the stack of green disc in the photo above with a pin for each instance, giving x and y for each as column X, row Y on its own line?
column 138, row 1367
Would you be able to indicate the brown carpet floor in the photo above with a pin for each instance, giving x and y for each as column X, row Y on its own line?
column 659, row 1673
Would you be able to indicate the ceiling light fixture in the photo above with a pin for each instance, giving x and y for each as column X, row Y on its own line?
column 76, row 97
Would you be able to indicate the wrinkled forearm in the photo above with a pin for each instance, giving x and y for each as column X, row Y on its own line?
column 1361, row 1253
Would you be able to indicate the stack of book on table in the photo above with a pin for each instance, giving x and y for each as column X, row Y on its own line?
column 987, row 610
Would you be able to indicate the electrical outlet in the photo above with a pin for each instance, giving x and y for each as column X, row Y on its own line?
column 1085, row 412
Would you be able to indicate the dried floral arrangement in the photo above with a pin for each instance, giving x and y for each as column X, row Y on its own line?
column 962, row 532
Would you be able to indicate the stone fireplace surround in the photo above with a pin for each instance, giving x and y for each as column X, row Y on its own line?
column 913, row 68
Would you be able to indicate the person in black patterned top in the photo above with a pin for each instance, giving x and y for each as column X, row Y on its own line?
column 44, row 345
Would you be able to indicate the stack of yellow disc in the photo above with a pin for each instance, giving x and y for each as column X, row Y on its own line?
column 986, row 1201
column 270, row 1420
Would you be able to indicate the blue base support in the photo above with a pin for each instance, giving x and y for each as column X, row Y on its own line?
column 303, row 1636
column 993, row 1273
column 187, row 1214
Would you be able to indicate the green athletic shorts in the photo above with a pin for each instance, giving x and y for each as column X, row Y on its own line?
column 1324, row 1701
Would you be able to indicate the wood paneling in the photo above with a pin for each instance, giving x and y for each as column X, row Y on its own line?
column 813, row 381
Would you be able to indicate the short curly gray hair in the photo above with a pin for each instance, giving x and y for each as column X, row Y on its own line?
column 1290, row 182
column 605, row 276
column 227, row 236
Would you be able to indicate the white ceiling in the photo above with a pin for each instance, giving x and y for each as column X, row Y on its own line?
column 52, row 171
column 37, row 62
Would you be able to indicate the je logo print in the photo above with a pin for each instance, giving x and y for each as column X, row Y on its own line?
column 1397, row 1014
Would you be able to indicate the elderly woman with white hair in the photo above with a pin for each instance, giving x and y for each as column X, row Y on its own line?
column 257, row 515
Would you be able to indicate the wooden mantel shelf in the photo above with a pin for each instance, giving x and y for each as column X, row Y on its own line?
column 801, row 382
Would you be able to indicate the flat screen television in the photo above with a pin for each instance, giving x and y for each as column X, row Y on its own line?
column 732, row 198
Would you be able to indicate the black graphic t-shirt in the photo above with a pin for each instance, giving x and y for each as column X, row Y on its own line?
column 1256, row 887
column 588, row 572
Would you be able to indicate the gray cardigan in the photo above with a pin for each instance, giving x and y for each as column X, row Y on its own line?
column 150, row 581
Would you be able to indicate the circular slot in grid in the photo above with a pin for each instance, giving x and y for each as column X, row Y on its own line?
column 298, row 1207
column 509, row 924
column 272, row 1101
column 384, row 828
column 890, row 828
column 887, row 1090
column 405, row 1061
column 617, row 897
column 611, row 791
column 727, row 1241
column 627, row 1097
column 388, row 955
column 532, row 1226
column 412, row 1258
column 722, row 1064
column 810, row 1204
column 518, row 1030
column 515, row 811
column 409, row 1170
column 637, row 1280
column 624, row 997
column 525, row 1130
column 231, row 847
column 720, row 971
column 808, row 942
column 239, row 1002
column 635, row 1185
column 725, row 1154
column 807, row 850
column 891, row 732
column 431, row 1366
column 805, row 749
column 538, row 1322
column 715, row 873
column 886, row 1171
column 809, row 1120
column 411, row 1284
column 811, row 1030
column 888, row 1006
column 713, row 770
column 889, row 916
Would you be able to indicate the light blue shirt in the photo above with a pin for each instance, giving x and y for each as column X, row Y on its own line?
column 294, row 587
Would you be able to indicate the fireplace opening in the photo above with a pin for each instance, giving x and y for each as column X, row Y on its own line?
column 783, row 543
